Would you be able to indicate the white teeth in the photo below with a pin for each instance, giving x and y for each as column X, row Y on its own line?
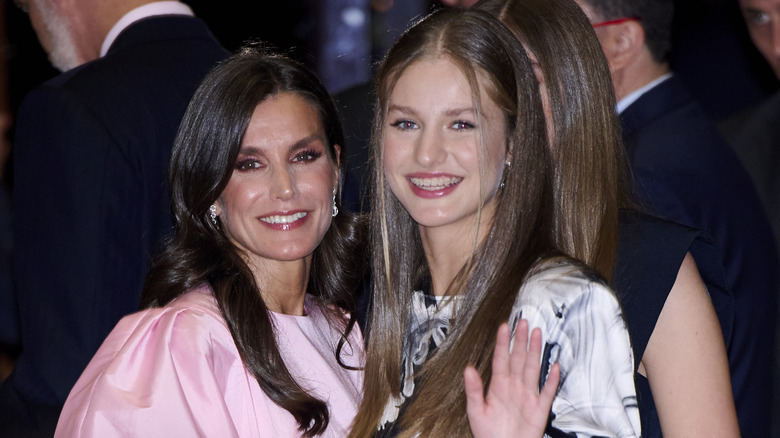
column 438, row 183
column 283, row 219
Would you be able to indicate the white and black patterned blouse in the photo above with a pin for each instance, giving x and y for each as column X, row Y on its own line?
column 582, row 329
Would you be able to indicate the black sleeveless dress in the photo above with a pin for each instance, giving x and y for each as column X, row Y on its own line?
column 650, row 252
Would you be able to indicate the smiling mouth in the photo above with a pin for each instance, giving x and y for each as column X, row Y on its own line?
column 278, row 219
column 434, row 184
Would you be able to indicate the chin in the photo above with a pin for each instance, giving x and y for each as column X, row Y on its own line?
column 430, row 221
column 293, row 254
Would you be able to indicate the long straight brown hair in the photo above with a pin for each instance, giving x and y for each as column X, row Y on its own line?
column 497, row 68
column 591, row 182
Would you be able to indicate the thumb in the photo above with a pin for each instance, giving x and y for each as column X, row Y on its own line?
column 472, row 383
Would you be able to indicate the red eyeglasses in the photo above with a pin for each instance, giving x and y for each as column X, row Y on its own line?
column 615, row 21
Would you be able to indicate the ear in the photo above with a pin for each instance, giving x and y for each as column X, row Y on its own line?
column 622, row 44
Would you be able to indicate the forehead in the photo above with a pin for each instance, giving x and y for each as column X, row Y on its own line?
column 283, row 117
column 435, row 78
column 762, row 5
column 427, row 69
column 437, row 88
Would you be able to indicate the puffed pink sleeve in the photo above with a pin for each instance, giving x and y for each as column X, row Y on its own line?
column 160, row 373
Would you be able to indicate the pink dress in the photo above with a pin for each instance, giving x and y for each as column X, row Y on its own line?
column 175, row 371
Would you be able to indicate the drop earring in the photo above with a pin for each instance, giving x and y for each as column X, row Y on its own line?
column 335, row 209
column 213, row 214
column 507, row 165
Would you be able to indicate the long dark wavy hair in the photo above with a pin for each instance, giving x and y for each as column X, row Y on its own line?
column 202, row 162
column 497, row 68
column 591, row 169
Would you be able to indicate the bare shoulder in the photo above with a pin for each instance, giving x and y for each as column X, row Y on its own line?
column 685, row 362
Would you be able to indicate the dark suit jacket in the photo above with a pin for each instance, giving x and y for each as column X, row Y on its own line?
column 755, row 137
column 91, row 203
column 684, row 171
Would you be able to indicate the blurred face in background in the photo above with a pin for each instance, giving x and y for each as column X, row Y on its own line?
column 763, row 22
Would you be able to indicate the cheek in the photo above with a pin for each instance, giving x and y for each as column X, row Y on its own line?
column 238, row 195
column 318, row 184
column 760, row 38
column 468, row 155
column 392, row 154
column 393, row 159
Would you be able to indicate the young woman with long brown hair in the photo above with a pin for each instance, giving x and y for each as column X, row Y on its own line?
column 462, row 240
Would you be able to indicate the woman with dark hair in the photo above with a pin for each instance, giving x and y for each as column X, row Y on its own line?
column 462, row 240
column 681, row 374
column 245, row 331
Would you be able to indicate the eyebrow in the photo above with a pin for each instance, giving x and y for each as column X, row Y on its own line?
column 753, row 10
column 450, row 112
column 401, row 108
column 297, row 145
column 306, row 140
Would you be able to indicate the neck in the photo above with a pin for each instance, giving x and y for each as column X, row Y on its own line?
column 97, row 19
column 282, row 284
column 637, row 75
column 447, row 250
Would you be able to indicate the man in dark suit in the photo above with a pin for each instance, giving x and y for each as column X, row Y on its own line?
column 90, row 183
column 684, row 171
column 755, row 134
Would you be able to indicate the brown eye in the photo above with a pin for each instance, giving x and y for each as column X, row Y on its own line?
column 307, row 155
column 248, row 164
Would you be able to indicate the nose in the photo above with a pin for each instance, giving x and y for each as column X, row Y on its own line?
column 283, row 185
column 430, row 148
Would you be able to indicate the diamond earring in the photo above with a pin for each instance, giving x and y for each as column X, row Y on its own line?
column 213, row 214
column 335, row 209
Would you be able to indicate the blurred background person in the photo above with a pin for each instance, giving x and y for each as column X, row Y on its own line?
column 90, row 202
column 668, row 277
column 704, row 34
column 683, row 170
column 754, row 134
